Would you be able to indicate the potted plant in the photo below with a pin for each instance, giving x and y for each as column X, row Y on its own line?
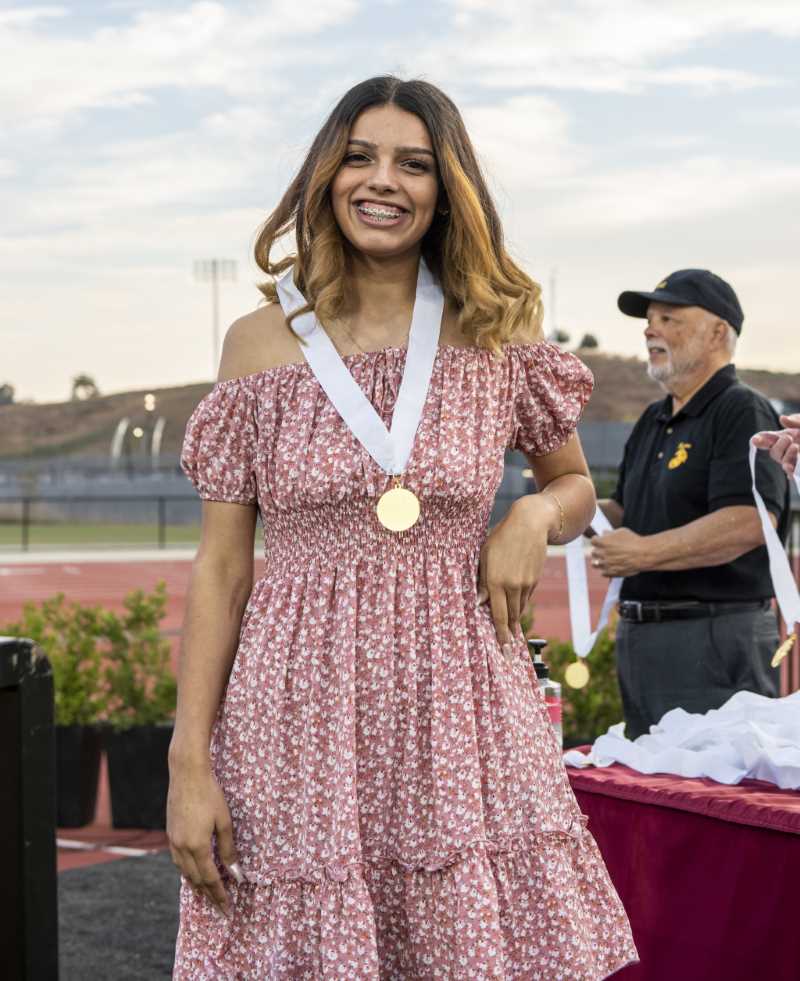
column 587, row 712
column 141, row 694
column 70, row 635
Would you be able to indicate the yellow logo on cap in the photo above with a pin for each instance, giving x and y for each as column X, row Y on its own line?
column 680, row 457
column 662, row 284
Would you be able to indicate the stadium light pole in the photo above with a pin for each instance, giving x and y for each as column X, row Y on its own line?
column 212, row 271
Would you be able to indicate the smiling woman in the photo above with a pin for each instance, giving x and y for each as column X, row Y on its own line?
column 393, row 164
column 362, row 735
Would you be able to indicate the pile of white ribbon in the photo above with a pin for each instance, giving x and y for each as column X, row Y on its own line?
column 750, row 736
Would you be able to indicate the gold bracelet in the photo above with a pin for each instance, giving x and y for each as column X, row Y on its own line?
column 562, row 517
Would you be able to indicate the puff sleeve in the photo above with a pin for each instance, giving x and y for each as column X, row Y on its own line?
column 551, row 389
column 219, row 447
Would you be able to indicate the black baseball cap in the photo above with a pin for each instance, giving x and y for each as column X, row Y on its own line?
column 688, row 288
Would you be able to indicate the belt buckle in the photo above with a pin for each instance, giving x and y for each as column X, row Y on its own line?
column 635, row 606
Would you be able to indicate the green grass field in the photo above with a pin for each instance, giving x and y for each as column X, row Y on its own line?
column 95, row 535
column 99, row 535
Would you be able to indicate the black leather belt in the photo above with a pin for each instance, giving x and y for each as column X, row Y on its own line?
column 651, row 611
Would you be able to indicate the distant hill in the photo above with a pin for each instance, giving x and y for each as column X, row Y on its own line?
column 86, row 428
column 622, row 390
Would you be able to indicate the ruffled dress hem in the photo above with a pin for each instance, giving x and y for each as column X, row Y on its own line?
column 473, row 914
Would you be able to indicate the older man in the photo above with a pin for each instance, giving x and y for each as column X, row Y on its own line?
column 696, row 619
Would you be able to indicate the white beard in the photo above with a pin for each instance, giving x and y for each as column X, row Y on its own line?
column 664, row 373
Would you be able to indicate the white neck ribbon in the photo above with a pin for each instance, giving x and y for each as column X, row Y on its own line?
column 583, row 637
column 390, row 449
column 779, row 569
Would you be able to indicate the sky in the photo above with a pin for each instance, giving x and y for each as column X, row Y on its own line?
column 622, row 139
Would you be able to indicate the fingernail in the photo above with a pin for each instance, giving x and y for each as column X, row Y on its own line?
column 235, row 870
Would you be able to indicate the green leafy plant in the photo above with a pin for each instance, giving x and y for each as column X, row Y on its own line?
column 141, row 687
column 69, row 635
column 586, row 712
column 107, row 667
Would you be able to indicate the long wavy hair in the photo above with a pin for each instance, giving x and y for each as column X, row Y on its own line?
column 496, row 301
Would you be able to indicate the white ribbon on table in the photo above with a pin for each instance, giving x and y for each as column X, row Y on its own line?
column 583, row 638
column 780, row 571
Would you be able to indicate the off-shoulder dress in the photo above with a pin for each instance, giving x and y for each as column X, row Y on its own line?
column 399, row 802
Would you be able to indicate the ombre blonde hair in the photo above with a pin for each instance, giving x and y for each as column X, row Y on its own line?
column 496, row 301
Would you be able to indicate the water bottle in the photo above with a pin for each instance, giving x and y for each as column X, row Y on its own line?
column 549, row 688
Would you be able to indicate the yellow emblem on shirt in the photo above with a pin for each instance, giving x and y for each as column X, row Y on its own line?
column 681, row 456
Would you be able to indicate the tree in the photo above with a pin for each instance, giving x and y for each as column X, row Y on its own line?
column 83, row 388
column 559, row 336
column 6, row 394
column 589, row 341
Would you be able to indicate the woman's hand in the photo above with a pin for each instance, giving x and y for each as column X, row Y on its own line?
column 511, row 561
column 196, row 809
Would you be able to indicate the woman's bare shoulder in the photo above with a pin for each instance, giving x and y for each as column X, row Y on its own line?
column 258, row 341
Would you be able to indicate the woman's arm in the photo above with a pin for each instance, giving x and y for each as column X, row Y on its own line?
column 221, row 581
column 220, row 585
column 513, row 555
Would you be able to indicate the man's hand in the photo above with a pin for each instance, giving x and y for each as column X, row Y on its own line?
column 618, row 553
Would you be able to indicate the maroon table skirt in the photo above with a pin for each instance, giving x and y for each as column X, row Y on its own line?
column 709, row 874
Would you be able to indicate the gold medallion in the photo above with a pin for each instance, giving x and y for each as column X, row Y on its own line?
column 398, row 508
column 577, row 675
column 783, row 650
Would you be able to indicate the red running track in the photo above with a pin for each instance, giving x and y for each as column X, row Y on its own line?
column 107, row 582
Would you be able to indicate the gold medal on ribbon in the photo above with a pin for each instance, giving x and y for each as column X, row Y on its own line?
column 398, row 508
column 783, row 650
column 577, row 675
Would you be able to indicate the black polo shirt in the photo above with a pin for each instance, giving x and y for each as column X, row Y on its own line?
column 679, row 468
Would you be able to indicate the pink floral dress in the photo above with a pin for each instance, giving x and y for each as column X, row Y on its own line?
column 400, row 806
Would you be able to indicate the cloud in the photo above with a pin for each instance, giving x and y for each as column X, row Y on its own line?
column 695, row 188
column 232, row 49
column 24, row 17
column 524, row 140
column 162, row 133
column 600, row 45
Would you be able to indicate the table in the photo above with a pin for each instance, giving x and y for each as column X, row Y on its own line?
column 709, row 874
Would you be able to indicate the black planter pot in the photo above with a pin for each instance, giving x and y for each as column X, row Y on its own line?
column 138, row 776
column 77, row 773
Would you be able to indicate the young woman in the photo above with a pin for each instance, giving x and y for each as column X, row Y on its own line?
column 364, row 781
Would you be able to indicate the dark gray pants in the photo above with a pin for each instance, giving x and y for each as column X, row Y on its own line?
column 695, row 665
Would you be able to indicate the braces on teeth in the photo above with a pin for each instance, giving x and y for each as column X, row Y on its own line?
column 379, row 212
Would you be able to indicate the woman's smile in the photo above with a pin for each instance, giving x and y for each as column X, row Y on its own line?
column 379, row 214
